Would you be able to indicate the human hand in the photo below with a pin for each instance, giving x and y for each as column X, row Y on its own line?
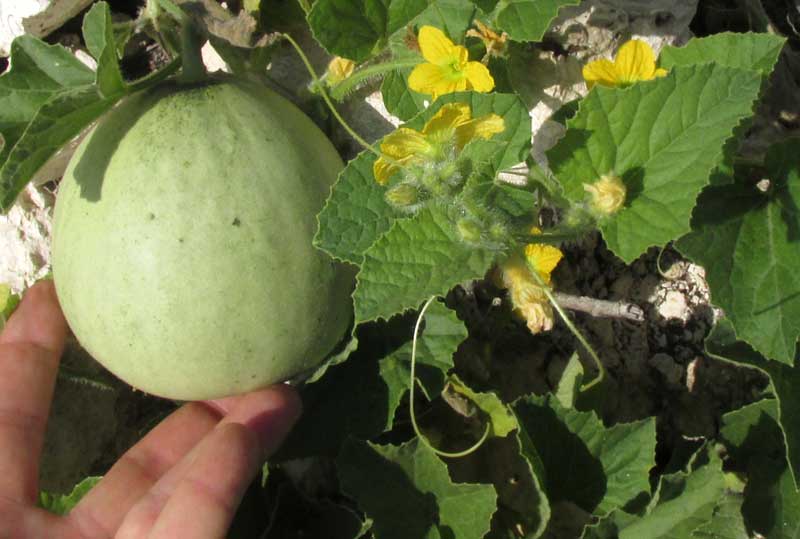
column 184, row 479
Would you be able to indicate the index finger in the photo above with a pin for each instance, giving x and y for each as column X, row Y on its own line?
column 30, row 349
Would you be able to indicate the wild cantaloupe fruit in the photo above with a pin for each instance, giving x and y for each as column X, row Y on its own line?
column 182, row 251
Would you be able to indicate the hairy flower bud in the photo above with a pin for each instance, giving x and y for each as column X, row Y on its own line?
column 469, row 230
column 403, row 196
column 607, row 195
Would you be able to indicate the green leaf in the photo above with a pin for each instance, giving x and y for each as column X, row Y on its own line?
column 37, row 72
column 358, row 29
column 438, row 341
column 62, row 504
column 747, row 241
column 722, row 344
column 755, row 442
column 356, row 213
column 663, row 138
column 683, row 503
column 751, row 51
column 501, row 418
column 726, row 521
column 99, row 36
column 522, row 506
column 57, row 122
column 376, row 386
column 332, row 414
column 407, row 492
column 416, row 259
column 399, row 99
column 772, row 504
column 597, row 468
column 528, row 20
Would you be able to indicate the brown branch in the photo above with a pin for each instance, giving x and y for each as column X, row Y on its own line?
column 600, row 308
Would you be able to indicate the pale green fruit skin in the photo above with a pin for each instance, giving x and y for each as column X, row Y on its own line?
column 182, row 251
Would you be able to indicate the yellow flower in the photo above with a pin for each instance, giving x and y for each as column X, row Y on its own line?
column 607, row 194
column 635, row 61
column 339, row 69
column 543, row 259
column 453, row 123
column 447, row 67
column 495, row 43
column 527, row 297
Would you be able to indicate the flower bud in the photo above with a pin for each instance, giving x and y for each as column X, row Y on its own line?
column 607, row 195
column 402, row 196
column 469, row 230
column 339, row 69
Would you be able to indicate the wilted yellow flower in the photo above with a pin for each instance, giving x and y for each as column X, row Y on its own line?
column 527, row 297
column 447, row 68
column 607, row 194
column 453, row 123
column 339, row 69
column 543, row 259
column 495, row 43
column 635, row 61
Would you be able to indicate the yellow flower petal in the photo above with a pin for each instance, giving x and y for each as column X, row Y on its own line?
column 602, row 72
column 436, row 47
column 450, row 116
column 635, row 61
column 383, row 170
column 478, row 77
column 484, row 127
column 527, row 297
column 661, row 72
column 427, row 78
column 339, row 69
column 404, row 143
column 543, row 259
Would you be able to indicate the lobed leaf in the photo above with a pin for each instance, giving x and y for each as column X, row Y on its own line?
column 361, row 27
column 750, row 51
column 99, row 36
column 36, row 73
column 416, row 259
column 663, row 138
column 528, row 20
column 356, row 213
column 597, row 468
column 748, row 242
column 407, row 492
column 58, row 121
column 722, row 344
column 684, row 503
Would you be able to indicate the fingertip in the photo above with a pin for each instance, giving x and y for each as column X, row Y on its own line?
column 38, row 319
column 269, row 413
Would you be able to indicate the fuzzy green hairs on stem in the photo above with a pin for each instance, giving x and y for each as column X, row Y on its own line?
column 601, row 370
column 340, row 90
column 418, row 432
column 324, row 94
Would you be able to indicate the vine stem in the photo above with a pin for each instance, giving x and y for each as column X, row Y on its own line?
column 418, row 432
column 324, row 94
column 340, row 90
column 600, row 368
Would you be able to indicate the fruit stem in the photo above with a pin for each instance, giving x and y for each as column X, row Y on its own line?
column 324, row 94
column 418, row 432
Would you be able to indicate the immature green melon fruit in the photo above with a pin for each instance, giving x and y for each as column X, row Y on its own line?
column 182, row 250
